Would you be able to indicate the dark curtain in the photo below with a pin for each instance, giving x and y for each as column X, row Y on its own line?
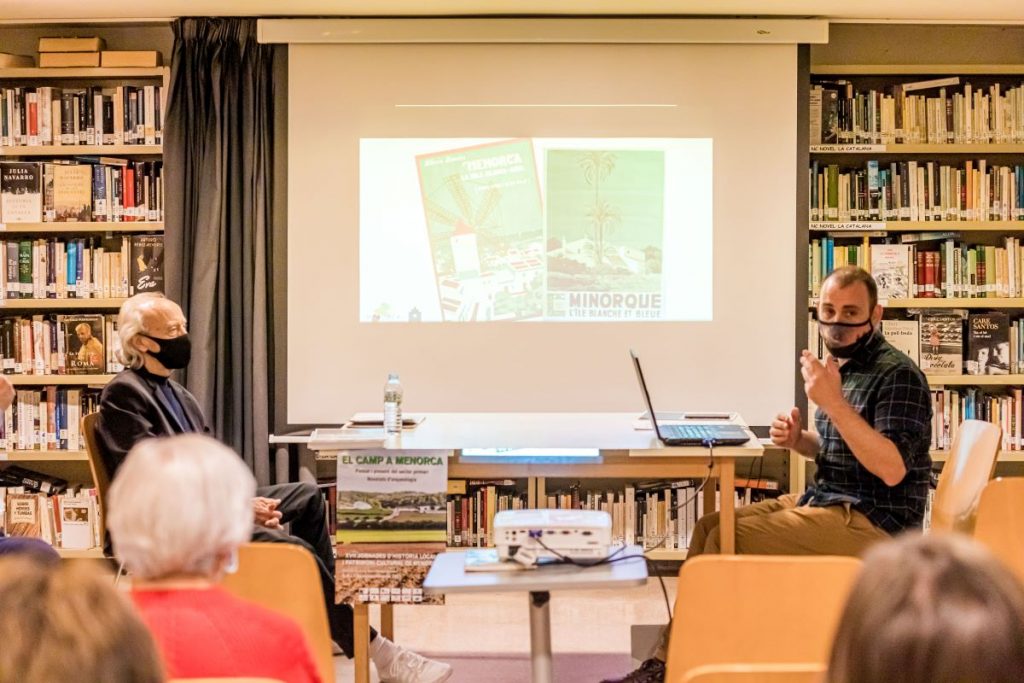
column 218, row 155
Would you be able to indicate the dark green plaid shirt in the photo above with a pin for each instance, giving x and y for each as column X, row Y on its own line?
column 891, row 393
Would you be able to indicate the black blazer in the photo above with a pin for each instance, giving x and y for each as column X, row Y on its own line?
column 131, row 410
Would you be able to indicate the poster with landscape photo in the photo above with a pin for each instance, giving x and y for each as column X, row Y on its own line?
column 605, row 219
column 391, row 523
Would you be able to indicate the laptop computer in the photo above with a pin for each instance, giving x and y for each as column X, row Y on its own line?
column 689, row 435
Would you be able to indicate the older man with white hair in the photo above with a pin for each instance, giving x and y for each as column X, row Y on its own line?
column 144, row 402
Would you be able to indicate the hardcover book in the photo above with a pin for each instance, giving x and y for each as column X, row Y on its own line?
column 904, row 335
column 988, row 344
column 941, row 343
column 84, row 344
column 147, row 264
column 72, row 193
column 21, row 192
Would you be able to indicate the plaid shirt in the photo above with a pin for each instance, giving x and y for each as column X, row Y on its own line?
column 886, row 389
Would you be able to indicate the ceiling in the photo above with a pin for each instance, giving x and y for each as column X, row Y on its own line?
column 924, row 11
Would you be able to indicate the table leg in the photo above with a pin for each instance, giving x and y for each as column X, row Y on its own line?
column 727, row 519
column 361, row 628
column 540, row 637
column 387, row 620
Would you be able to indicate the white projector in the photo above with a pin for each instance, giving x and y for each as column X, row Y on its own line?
column 532, row 536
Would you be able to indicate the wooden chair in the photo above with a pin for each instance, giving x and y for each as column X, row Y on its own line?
column 283, row 577
column 972, row 461
column 756, row 673
column 100, row 475
column 786, row 610
column 1000, row 523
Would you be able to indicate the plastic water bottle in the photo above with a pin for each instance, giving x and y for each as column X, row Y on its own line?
column 393, row 405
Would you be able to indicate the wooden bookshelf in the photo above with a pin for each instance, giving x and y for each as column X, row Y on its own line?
column 91, row 73
column 43, row 456
column 88, row 554
column 975, row 380
column 86, row 227
column 64, row 304
column 921, row 148
column 916, row 69
column 82, row 150
column 1000, row 302
column 63, row 380
column 857, row 228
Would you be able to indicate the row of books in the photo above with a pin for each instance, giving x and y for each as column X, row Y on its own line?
column 116, row 190
column 82, row 344
column 69, row 520
column 948, row 270
column 471, row 507
column 917, row 191
column 82, row 268
column 950, row 407
column 842, row 114
column 47, row 419
column 935, row 341
column 124, row 115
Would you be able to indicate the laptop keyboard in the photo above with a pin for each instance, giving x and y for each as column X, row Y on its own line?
column 694, row 432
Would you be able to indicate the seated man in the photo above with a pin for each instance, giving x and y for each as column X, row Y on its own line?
column 873, row 429
column 144, row 402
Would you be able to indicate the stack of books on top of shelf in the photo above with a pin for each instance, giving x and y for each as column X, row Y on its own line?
column 70, row 52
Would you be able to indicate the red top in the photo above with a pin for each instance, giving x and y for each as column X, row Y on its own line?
column 210, row 633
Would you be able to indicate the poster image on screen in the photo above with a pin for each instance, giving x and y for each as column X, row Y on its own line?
column 535, row 229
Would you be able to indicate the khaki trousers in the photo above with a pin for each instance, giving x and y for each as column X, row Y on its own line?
column 779, row 527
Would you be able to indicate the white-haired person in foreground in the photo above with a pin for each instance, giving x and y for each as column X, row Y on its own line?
column 179, row 509
column 144, row 402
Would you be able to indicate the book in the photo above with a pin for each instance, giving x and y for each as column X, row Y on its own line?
column 890, row 268
column 84, row 344
column 74, row 44
column 988, row 344
column 941, row 343
column 905, row 336
column 21, row 192
column 68, row 59
column 9, row 61
column 72, row 192
column 77, row 518
column 13, row 475
column 23, row 515
column 141, row 58
column 147, row 264
column 932, row 83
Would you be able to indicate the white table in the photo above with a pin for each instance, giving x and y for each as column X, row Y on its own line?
column 448, row 575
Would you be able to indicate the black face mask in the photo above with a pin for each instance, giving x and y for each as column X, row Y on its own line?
column 174, row 354
column 852, row 349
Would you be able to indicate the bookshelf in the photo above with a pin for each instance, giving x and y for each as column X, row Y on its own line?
column 121, row 201
column 936, row 169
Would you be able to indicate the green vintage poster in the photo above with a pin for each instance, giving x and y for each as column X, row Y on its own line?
column 605, row 223
column 485, row 224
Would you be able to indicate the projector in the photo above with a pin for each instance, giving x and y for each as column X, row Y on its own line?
column 533, row 536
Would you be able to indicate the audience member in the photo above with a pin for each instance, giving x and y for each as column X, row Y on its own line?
column 179, row 509
column 67, row 622
column 931, row 609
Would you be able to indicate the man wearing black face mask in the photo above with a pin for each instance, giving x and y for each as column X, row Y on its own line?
column 871, row 448
column 144, row 402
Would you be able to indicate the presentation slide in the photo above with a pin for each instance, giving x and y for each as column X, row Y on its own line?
column 535, row 229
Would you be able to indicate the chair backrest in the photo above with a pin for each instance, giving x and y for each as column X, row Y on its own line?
column 757, row 609
column 100, row 475
column 972, row 460
column 1000, row 523
column 283, row 577
column 756, row 673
